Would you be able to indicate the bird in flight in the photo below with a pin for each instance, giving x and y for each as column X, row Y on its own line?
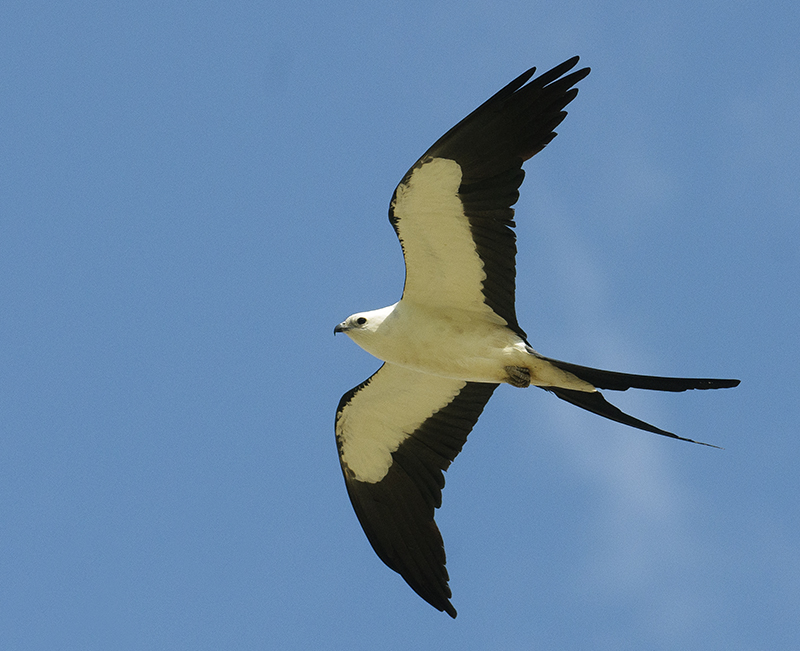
column 453, row 337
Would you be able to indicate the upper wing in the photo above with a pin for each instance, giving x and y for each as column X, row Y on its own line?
column 452, row 210
column 396, row 432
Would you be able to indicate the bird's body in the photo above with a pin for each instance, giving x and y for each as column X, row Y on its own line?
column 470, row 345
column 453, row 337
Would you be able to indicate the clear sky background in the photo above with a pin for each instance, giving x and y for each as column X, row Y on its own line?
column 193, row 194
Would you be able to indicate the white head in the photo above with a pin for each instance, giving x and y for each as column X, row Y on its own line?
column 362, row 325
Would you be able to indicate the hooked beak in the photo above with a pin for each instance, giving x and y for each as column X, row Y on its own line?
column 340, row 328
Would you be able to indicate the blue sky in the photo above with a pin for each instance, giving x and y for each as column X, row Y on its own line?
column 193, row 194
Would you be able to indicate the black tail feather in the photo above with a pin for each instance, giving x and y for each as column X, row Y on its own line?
column 597, row 404
column 622, row 381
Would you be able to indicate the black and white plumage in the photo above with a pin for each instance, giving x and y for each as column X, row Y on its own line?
column 454, row 337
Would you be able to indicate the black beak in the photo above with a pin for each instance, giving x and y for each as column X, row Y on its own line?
column 340, row 328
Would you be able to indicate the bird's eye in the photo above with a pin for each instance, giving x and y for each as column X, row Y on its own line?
column 361, row 320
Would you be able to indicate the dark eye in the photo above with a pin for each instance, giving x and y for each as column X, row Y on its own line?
column 361, row 320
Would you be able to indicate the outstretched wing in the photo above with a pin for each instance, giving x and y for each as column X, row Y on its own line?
column 452, row 210
column 396, row 432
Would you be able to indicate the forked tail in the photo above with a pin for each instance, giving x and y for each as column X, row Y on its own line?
column 597, row 404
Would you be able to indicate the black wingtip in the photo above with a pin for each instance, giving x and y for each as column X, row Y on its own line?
column 552, row 75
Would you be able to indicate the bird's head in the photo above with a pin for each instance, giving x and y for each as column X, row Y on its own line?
column 363, row 324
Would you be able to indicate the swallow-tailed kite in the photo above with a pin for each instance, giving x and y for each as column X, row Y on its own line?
column 453, row 336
